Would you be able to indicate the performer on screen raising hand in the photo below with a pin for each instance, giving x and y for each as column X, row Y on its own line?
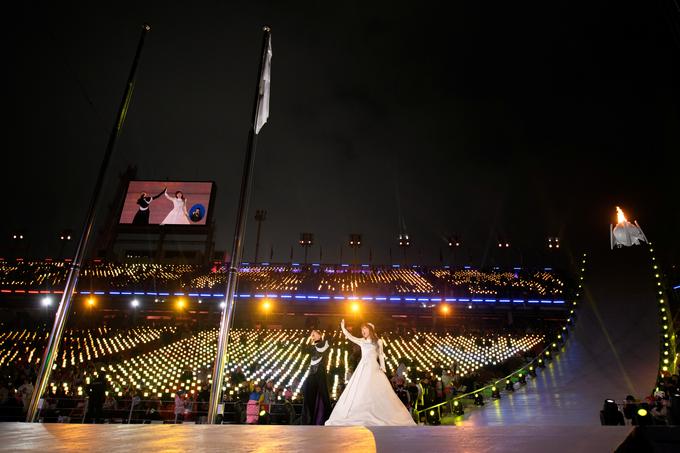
column 144, row 202
column 368, row 399
column 178, row 215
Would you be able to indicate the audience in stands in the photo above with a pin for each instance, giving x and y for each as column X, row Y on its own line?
column 288, row 278
column 417, row 387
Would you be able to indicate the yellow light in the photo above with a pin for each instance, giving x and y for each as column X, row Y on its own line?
column 620, row 217
column 266, row 305
column 445, row 309
column 181, row 303
column 91, row 301
column 355, row 307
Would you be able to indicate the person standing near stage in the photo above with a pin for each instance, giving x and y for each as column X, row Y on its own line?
column 317, row 404
column 96, row 394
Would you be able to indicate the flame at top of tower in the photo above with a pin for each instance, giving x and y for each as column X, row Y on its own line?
column 620, row 216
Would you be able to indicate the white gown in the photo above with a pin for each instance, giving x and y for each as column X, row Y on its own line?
column 368, row 399
column 178, row 214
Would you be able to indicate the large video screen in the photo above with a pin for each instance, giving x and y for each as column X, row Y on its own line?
column 166, row 203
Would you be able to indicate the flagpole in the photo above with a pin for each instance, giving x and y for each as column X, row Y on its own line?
column 237, row 244
column 64, row 308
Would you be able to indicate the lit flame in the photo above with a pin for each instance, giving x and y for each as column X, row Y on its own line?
column 620, row 217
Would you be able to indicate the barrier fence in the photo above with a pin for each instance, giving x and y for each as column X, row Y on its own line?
column 138, row 411
column 456, row 404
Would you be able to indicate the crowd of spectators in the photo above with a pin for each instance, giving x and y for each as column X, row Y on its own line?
column 328, row 279
column 268, row 376
column 662, row 407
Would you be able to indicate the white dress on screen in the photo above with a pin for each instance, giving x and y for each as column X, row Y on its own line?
column 178, row 215
column 368, row 398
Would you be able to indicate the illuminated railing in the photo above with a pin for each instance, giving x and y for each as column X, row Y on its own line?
column 493, row 389
column 668, row 357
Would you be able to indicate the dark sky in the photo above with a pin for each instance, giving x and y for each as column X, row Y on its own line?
column 520, row 119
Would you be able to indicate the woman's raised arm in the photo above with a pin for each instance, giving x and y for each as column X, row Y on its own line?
column 348, row 335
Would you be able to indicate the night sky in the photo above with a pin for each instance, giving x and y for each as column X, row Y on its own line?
column 522, row 119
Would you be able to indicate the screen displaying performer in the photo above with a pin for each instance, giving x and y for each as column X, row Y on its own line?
column 166, row 203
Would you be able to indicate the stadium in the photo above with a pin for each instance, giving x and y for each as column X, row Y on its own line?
column 431, row 269
column 476, row 347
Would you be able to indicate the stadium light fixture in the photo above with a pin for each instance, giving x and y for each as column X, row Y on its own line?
column 355, row 240
column 91, row 301
column 134, row 303
column 181, row 303
column 479, row 399
column 553, row 242
column 46, row 301
column 643, row 417
column 433, row 418
column 266, row 305
column 306, row 241
column 453, row 241
column 355, row 307
column 404, row 240
column 445, row 309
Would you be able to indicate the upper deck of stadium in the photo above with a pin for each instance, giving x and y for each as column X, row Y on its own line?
column 296, row 281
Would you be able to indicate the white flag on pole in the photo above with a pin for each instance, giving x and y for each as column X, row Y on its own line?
column 265, row 82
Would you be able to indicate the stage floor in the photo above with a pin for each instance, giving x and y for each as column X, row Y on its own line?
column 245, row 438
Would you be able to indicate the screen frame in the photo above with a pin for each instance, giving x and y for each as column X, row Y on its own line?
column 174, row 229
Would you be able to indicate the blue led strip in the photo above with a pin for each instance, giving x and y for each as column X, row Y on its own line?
column 406, row 298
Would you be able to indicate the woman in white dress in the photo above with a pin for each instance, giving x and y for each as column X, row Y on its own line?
column 178, row 215
column 368, row 398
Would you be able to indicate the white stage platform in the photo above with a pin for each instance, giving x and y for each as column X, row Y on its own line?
column 308, row 439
